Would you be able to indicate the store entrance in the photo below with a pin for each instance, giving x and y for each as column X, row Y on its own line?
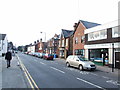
column 99, row 56
column 117, row 60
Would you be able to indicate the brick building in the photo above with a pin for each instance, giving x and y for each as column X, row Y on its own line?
column 79, row 36
column 66, row 43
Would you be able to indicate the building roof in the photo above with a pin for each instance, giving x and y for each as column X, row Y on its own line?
column 67, row 33
column 89, row 24
column 103, row 26
column 2, row 36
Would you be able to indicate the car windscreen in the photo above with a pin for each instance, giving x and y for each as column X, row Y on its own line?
column 83, row 59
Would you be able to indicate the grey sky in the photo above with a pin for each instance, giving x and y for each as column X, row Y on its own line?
column 23, row 20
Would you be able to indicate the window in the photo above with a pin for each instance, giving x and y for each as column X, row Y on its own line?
column 63, row 43
column 115, row 32
column 66, row 42
column 102, row 34
column 76, row 40
column 79, row 52
column 59, row 43
column 82, row 39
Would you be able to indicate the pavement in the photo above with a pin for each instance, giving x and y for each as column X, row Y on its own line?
column 12, row 77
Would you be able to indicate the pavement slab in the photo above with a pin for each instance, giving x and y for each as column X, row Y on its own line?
column 12, row 77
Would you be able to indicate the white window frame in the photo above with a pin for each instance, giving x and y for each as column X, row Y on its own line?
column 98, row 34
column 113, row 32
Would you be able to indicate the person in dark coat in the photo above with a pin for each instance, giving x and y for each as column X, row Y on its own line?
column 8, row 57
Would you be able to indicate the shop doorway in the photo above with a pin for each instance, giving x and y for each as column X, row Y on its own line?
column 117, row 60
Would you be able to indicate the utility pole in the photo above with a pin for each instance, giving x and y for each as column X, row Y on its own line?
column 113, row 57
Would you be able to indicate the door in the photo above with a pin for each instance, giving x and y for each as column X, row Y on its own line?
column 117, row 60
column 76, row 61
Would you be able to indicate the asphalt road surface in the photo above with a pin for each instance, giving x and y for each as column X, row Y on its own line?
column 55, row 74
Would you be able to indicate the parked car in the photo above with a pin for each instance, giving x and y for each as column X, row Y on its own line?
column 80, row 62
column 41, row 55
column 48, row 57
column 36, row 54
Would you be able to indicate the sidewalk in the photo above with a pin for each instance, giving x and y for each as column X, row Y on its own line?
column 12, row 77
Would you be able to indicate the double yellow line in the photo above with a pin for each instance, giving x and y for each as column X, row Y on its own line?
column 28, row 76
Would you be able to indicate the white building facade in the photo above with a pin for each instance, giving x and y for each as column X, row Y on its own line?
column 102, row 44
column 3, row 44
column 31, row 48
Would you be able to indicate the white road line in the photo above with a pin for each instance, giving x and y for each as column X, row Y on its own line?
column 57, row 69
column 105, row 77
column 42, row 63
column 113, row 82
column 90, row 83
column 94, row 74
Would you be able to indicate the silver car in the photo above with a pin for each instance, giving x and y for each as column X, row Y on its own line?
column 80, row 62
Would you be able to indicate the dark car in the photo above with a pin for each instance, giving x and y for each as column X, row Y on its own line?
column 48, row 57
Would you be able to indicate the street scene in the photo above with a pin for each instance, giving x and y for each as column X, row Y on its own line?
column 60, row 45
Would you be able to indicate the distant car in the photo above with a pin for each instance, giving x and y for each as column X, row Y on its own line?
column 41, row 55
column 48, row 57
column 80, row 62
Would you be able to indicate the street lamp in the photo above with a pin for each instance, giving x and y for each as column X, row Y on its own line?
column 45, row 35
column 113, row 57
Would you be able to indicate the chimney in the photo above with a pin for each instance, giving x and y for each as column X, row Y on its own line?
column 34, row 42
column 75, row 25
column 41, row 40
column 37, row 41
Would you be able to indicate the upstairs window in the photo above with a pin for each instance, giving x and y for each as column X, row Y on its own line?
column 66, row 42
column 115, row 32
column 98, row 35
column 63, row 44
column 82, row 39
column 76, row 40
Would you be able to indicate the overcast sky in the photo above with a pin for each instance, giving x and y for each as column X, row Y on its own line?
column 23, row 20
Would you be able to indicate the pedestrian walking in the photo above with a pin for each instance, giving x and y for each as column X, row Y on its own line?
column 8, row 57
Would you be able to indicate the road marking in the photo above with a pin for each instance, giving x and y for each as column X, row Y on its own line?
column 57, row 69
column 105, row 77
column 28, row 79
column 27, row 74
column 42, row 63
column 94, row 74
column 113, row 82
column 90, row 83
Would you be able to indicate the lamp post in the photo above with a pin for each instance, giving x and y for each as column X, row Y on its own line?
column 45, row 35
column 113, row 57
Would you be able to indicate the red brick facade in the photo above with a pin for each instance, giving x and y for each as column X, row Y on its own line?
column 77, row 38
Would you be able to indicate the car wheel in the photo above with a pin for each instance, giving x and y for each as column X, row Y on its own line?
column 68, row 65
column 80, row 67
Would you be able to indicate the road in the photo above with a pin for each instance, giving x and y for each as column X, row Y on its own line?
column 55, row 74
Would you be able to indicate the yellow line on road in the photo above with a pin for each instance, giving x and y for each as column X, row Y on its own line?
column 27, row 74
column 31, row 78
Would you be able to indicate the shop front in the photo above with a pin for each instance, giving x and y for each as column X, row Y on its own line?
column 99, row 56
column 104, row 54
